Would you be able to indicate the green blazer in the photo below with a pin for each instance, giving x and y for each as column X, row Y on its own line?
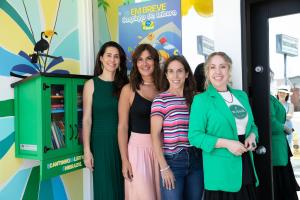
column 279, row 142
column 210, row 119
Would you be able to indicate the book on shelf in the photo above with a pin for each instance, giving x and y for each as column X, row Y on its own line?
column 57, row 128
column 61, row 137
column 55, row 143
column 61, row 125
column 53, row 106
column 57, row 97
column 58, row 110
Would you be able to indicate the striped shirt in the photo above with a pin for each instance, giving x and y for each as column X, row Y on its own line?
column 175, row 114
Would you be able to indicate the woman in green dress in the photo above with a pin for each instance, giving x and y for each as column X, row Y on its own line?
column 284, row 182
column 100, row 122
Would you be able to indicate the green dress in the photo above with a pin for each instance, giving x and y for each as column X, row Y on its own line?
column 107, row 176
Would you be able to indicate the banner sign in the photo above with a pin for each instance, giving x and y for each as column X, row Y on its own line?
column 154, row 22
column 61, row 165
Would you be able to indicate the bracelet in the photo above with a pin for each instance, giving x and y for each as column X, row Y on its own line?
column 164, row 169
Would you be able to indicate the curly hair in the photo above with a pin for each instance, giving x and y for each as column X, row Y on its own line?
column 189, row 88
column 120, row 78
column 135, row 76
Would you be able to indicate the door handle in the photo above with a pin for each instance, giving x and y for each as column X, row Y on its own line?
column 46, row 149
column 45, row 86
column 261, row 150
column 76, row 126
column 72, row 132
column 259, row 69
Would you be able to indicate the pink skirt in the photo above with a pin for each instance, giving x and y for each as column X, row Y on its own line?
column 145, row 169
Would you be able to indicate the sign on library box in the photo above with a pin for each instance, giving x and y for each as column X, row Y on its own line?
column 58, row 166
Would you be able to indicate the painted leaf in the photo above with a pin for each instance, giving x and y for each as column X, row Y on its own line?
column 23, row 68
column 54, row 62
column 60, row 71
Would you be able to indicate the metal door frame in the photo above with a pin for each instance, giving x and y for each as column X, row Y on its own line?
column 256, row 74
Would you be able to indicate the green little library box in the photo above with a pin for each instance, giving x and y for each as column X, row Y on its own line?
column 48, row 122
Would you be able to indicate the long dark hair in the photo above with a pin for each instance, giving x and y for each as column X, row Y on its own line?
column 120, row 78
column 189, row 88
column 200, row 78
column 135, row 76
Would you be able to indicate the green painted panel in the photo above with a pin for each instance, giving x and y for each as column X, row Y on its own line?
column 28, row 119
column 32, row 187
column 7, row 108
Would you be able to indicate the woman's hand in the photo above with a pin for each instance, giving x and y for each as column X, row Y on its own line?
column 168, row 178
column 127, row 170
column 236, row 147
column 89, row 160
column 287, row 130
column 250, row 142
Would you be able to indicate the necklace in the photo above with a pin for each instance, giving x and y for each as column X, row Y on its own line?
column 147, row 83
column 226, row 97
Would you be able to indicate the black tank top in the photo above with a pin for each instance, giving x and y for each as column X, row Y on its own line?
column 139, row 114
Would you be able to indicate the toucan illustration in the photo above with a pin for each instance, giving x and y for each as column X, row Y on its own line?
column 41, row 45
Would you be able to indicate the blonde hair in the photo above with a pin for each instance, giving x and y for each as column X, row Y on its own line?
column 207, row 63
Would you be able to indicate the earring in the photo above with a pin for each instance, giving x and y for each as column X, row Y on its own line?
column 119, row 68
column 101, row 66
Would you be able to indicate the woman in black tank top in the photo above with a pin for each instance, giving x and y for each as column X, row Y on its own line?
column 139, row 167
column 139, row 114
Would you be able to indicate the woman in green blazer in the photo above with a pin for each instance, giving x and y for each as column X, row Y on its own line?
column 222, row 125
column 285, row 184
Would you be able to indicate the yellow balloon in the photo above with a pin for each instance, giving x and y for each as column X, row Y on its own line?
column 204, row 8
column 185, row 6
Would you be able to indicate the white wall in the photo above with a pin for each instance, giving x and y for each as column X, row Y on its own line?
column 227, row 29
column 193, row 25
column 86, row 42
column 224, row 27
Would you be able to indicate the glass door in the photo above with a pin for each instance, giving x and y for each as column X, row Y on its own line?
column 264, row 73
column 58, row 127
column 58, row 116
column 78, row 85
column 284, row 36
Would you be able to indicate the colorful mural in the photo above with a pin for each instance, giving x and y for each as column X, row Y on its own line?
column 22, row 22
column 108, row 18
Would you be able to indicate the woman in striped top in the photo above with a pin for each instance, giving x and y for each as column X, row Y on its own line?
column 170, row 120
